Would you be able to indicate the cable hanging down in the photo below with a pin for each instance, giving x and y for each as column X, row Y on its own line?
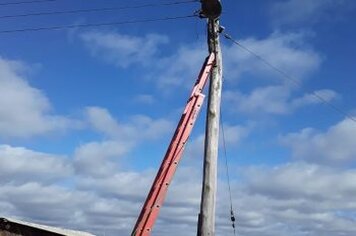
column 97, row 9
column 232, row 214
column 290, row 78
column 128, row 22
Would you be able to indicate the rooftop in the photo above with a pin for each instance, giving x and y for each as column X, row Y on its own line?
column 9, row 224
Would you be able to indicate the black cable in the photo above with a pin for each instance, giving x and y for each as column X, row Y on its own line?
column 232, row 215
column 97, row 9
column 290, row 78
column 25, row 2
column 94, row 24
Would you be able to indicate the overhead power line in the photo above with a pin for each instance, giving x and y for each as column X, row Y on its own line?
column 290, row 78
column 25, row 2
column 98, row 9
column 94, row 24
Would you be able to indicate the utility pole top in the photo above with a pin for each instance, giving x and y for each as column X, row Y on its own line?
column 211, row 9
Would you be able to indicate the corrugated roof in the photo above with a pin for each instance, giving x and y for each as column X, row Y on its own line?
column 51, row 229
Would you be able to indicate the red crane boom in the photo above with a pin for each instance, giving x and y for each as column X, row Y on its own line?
column 157, row 194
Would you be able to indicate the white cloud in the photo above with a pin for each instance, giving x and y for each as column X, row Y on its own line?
column 124, row 50
column 145, row 99
column 276, row 100
column 271, row 99
column 120, row 185
column 101, row 120
column 100, row 158
column 139, row 127
column 336, row 145
column 181, row 69
column 304, row 181
column 178, row 69
column 292, row 11
column 302, row 11
column 314, row 98
column 151, row 129
column 21, row 164
column 234, row 134
column 104, row 195
column 289, row 52
column 48, row 204
column 309, row 199
column 24, row 111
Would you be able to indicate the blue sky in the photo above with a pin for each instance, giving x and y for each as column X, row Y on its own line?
column 86, row 115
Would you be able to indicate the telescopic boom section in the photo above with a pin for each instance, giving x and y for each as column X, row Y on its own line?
column 156, row 196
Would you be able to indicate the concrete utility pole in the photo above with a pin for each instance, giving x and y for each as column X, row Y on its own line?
column 206, row 223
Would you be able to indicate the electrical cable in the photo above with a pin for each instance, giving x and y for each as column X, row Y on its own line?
column 25, row 2
column 232, row 215
column 97, row 9
column 36, row 29
column 290, row 78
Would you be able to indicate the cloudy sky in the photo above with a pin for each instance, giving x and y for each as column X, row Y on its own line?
column 87, row 113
